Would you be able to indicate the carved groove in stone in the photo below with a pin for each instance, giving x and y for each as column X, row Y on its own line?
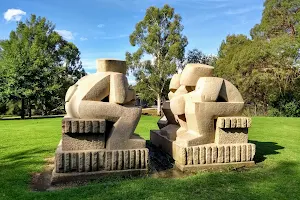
column 83, row 126
column 208, row 154
column 103, row 160
column 234, row 122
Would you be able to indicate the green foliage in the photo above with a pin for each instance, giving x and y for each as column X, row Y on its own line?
column 38, row 64
column 197, row 56
column 147, row 95
column 266, row 68
column 27, row 144
column 280, row 17
column 158, row 35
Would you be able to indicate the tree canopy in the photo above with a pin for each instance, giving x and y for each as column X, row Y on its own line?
column 266, row 67
column 197, row 56
column 38, row 65
column 159, row 36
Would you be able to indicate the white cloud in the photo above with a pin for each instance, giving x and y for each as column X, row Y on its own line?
column 68, row 35
column 100, row 25
column 83, row 39
column 14, row 14
column 243, row 10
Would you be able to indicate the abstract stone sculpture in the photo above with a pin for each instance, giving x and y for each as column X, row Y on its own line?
column 202, row 126
column 98, row 131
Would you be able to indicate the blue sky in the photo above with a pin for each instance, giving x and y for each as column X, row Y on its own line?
column 100, row 28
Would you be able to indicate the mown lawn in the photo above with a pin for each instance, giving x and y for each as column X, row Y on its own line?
column 24, row 145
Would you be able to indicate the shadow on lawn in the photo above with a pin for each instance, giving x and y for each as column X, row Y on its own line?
column 274, row 182
column 159, row 160
column 265, row 148
column 20, row 162
column 26, row 154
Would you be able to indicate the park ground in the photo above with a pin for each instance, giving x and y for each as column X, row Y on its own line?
column 25, row 144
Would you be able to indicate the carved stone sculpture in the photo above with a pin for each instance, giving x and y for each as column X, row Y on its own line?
column 98, row 131
column 203, row 126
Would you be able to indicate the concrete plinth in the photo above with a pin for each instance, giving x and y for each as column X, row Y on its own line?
column 214, row 166
column 90, row 164
column 58, row 178
column 205, row 156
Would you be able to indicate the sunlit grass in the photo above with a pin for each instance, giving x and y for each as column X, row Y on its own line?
column 25, row 144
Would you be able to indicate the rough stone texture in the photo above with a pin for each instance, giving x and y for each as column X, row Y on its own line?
column 217, row 153
column 192, row 72
column 228, row 131
column 210, row 131
column 58, row 178
column 234, row 122
column 198, row 100
column 202, row 155
column 111, row 65
column 187, row 83
column 162, row 122
column 83, row 142
column 213, row 166
column 200, row 114
column 170, row 131
column 161, row 141
column 175, row 82
column 83, row 126
column 98, row 131
column 168, row 113
column 125, row 121
column 105, row 95
column 212, row 153
column 100, row 160
column 80, row 134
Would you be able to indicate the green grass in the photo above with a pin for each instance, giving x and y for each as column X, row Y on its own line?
column 26, row 143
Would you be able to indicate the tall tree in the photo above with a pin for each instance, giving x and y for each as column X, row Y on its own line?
column 279, row 17
column 158, row 35
column 266, row 67
column 36, row 61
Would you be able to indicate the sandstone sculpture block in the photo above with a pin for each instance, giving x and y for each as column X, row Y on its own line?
column 229, row 131
column 98, row 131
column 210, row 131
column 81, row 126
column 100, row 160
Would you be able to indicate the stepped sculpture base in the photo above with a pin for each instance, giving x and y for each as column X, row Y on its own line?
column 59, row 178
column 206, row 156
column 214, row 166
column 76, row 165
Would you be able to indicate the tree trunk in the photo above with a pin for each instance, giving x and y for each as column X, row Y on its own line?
column 22, row 108
column 44, row 111
column 29, row 108
column 158, row 105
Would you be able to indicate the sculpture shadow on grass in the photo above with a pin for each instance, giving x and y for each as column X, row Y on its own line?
column 21, row 162
column 265, row 148
column 26, row 154
column 216, row 185
column 159, row 160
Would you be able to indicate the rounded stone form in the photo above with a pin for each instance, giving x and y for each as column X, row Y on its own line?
column 111, row 65
column 175, row 82
column 192, row 72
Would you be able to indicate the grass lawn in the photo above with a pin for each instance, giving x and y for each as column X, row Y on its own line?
column 26, row 143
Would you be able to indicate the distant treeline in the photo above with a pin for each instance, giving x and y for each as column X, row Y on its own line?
column 37, row 65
